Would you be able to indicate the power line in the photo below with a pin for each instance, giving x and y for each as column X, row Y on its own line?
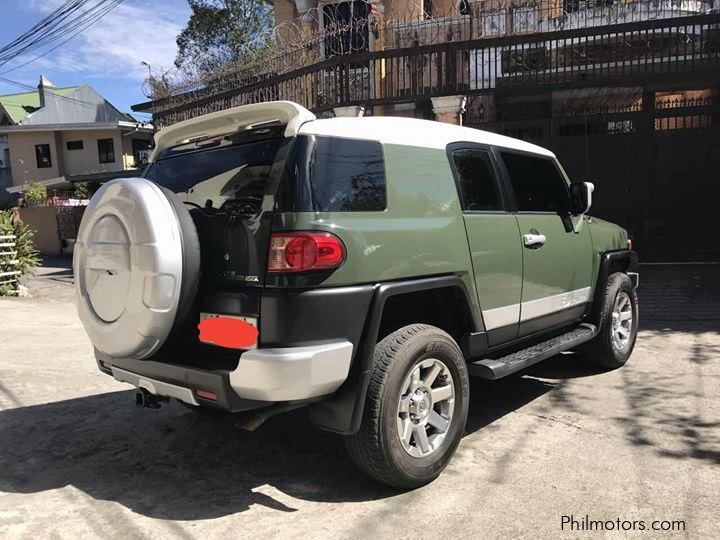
column 91, row 23
column 71, row 18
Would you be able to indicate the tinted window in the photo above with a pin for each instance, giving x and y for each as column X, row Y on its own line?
column 74, row 145
column 328, row 174
column 477, row 180
column 537, row 183
column 213, row 176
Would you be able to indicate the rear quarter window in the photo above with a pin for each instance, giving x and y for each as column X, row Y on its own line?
column 330, row 174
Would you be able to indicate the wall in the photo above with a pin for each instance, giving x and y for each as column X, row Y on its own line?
column 43, row 221
column 68, row 162
column 87, row 160
column 284, row 12
column 22, row 156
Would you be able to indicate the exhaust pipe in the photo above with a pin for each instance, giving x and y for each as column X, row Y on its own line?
column 257, row 418
column 146, row 400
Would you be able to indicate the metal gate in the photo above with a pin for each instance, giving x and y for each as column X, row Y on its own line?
column 655, row 164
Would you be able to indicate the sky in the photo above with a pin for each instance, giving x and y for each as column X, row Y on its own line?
column 106, row 56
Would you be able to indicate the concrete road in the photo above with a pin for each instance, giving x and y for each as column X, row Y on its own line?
column 77, row 459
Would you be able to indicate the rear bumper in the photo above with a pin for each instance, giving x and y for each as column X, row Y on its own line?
column 262, row 377
column 293, row 373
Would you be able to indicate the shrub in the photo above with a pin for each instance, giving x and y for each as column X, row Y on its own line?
column 36, row 195
column 27, row 255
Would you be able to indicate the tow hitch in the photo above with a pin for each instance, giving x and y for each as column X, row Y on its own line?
column 146, row 400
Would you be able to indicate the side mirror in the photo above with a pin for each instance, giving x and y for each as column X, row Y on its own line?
column 581, row 194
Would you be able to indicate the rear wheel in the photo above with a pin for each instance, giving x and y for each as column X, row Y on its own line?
column 619, row 324
column 415, row 410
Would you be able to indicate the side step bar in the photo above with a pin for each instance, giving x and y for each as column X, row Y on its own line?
column 497, row 368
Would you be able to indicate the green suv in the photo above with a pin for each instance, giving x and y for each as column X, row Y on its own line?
column 362, row 268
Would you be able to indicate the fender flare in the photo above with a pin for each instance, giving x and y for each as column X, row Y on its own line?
column 623, row 260
column 343, row 412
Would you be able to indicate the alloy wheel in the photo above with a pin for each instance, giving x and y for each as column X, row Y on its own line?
column 425, row 407
column 622, row 321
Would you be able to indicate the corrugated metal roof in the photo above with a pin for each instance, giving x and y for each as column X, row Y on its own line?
column 81, row 105
column 18, row 106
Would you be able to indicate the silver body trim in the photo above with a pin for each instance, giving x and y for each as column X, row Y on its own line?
column 154, row 386
column 514, row 313
column 635, row 278
column 502, row 316
column 554, row 303
column 287, row 374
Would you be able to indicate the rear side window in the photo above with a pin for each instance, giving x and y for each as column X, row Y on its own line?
column 330, row 174
column 537, row 183
column 476, row 175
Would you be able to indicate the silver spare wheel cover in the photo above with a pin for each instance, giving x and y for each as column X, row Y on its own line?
column 128, row 268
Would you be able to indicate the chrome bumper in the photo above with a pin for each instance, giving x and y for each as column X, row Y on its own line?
column 293, row 373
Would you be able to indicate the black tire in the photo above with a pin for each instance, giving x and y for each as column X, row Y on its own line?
column 376, row 449
column 603, row 350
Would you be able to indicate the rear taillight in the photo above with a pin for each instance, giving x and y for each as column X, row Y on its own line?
column 304, row 251
column 629, row 243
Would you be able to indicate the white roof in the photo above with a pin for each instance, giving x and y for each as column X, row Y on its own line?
column 412, row 132
column 298, row 120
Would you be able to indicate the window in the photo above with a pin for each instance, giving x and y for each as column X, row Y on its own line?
column 42, row 156
column 74, row 145
column 328, row 174
column 478, row 186
column 346, row 25
column 106, row 150
column 225, row 174
column 428, row 9
column 537, row 182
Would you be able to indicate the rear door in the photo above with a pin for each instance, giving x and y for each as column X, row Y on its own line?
column 557, row 260
column 493, row 238
column 228, row 183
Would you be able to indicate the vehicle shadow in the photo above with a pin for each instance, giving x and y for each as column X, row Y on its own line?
column 174, row 463
column 177, row 464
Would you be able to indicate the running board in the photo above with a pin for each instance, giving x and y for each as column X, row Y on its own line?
column 498, row 368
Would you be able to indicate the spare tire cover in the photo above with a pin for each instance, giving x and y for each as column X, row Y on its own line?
column 128, row 266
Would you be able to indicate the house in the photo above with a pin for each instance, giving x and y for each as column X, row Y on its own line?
column 625, row 92
column 54, row 133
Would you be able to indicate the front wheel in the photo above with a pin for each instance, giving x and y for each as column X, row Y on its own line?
column 415, row 410
column 618, row 324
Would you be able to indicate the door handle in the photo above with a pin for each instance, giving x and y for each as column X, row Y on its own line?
column 534, row 240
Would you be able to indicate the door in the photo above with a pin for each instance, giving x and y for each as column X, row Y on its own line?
column 557, row 257
column 493, row 239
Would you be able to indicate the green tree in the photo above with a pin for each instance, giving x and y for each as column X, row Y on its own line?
column 222, row 31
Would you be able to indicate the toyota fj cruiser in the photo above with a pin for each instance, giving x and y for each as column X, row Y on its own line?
column 361, row 267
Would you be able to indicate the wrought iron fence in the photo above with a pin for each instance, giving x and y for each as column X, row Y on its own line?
column 641, row 51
